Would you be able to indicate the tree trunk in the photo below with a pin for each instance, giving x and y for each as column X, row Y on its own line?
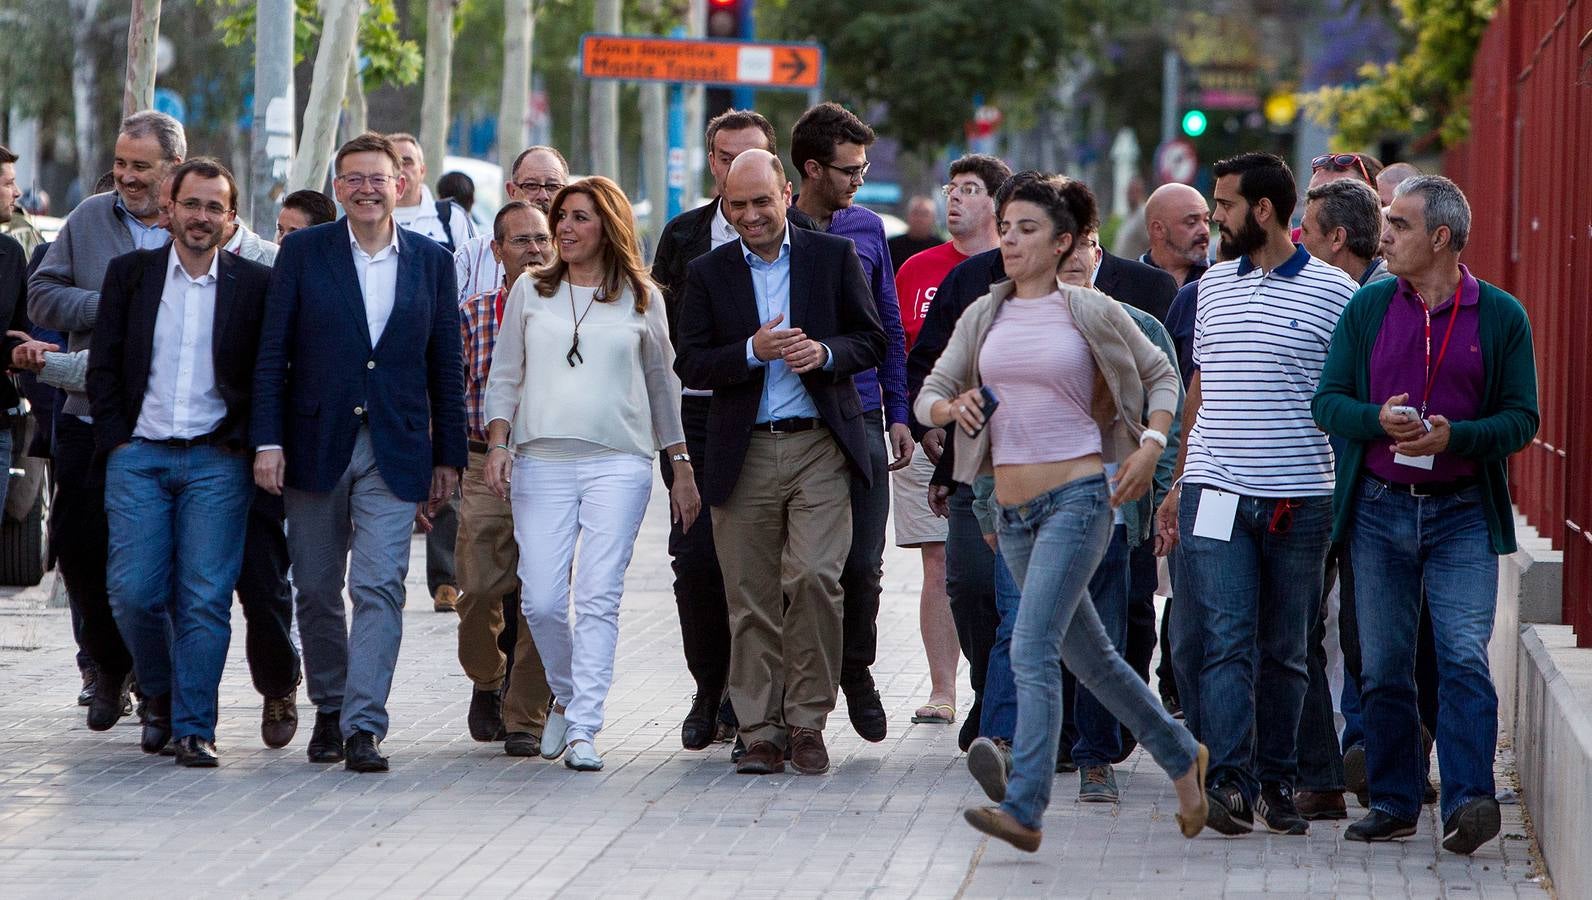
column 605, row 103
column 272, row 134
column 339, row 27
column 514, row 111
column 439, row 74
column 143, row 30
column 356, row 118
column 85, row 111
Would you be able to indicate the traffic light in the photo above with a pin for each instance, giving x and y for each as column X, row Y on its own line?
column 726, row 18
column 1194, row 123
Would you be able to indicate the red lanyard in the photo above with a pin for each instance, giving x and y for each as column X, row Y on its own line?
column 1431, row 370
column 502, row 295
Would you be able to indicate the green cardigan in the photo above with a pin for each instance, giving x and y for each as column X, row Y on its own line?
column 1343, row 407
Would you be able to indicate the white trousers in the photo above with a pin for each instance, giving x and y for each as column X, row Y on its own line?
column 597, row 503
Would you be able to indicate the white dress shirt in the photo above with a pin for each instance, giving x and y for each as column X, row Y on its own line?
column 722, row 231
column 378, row 282
column 181, row 399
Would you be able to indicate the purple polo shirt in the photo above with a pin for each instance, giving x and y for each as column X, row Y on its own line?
column 1398, row 366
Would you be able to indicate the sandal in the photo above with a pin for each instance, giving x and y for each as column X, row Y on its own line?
column 935, row 714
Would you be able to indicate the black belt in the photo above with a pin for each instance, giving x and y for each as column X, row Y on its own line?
column 479, row 447
column 786, row 426
column 1429, row 489
column 203, row 440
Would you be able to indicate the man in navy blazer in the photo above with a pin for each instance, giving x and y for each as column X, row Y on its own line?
column 359, row 416
column 776, row 324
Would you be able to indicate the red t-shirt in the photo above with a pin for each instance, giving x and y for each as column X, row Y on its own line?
column 917, row 282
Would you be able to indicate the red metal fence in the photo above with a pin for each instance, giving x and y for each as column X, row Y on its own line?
column 1527, row 170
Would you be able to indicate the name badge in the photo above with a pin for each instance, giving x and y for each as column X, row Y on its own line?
column 1218, row 510
column 1415, row 462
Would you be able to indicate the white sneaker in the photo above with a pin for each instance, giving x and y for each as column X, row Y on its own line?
column 553, row 735
column 582, row 757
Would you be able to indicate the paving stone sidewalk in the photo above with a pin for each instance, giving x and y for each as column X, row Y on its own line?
column 85, row 814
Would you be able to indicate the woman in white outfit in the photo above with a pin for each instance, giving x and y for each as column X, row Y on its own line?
column 582, row 393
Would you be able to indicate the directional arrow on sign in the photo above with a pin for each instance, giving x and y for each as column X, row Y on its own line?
column 792, row 66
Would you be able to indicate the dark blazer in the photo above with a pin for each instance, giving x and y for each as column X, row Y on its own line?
column 686, row 237
column 829, row 300
column 14, row 312
column 318, row 378
column 124, row 342
column 1145, row 288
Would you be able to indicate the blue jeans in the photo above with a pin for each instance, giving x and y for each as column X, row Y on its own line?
column 1053, row 545
column 177, row 519
column 5, row 464
column 1186, row 642
column 1402, row 545
column 1099, row 739
column 1257, row 593
column 999, row 718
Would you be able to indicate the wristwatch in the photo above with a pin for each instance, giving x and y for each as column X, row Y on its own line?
column 680, row 457
column 1150, row 434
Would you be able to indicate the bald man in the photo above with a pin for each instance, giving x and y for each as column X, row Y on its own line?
column 776, row 324
column 1177, row 219
column 1391, row 177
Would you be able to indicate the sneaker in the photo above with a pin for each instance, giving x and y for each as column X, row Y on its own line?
column 989, row 761
column 1230, row 813
column 1379, row 826
column 1277, row 811
column 1475, row 823
column 1097, row 784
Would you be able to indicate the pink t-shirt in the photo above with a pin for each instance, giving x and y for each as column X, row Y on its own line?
column 1043, row 374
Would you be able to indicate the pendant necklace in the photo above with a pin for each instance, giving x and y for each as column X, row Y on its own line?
column 573, row 357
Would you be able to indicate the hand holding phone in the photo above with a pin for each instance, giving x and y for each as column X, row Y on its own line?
column 1411, row 414
column 987, row 403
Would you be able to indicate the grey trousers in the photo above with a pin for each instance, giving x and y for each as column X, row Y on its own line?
column 350, row 669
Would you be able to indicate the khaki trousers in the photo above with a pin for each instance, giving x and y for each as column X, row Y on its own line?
column 783, row 535
column 487, row 557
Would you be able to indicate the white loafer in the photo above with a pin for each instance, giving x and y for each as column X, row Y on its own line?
column 582, row 757
column 553, row 735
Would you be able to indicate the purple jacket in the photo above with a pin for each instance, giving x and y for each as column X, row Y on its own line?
column 866, row 231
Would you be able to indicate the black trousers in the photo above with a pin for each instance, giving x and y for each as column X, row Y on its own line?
column 864, row 569
column 1142, row 577
column 698, row 583
column 440, row 539
column 970, row 584
column 78, row 532
column 267, row 599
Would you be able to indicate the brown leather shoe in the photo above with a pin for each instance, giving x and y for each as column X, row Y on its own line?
column 762, row 758
column 807, row 753
column 446, row 599
column 995, row 822
column 1316, row 805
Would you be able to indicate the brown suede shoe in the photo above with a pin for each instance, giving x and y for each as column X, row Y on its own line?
column 1317, row 805
column 762, row 758
column 446, row 599
column 995, row 822
column 807, row 753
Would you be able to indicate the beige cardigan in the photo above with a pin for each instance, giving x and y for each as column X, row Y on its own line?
column 1131, row 373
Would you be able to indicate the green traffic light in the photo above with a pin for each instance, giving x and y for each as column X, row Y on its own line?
column 1194, row 123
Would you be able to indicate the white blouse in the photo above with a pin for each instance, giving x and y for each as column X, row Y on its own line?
column 624, row 397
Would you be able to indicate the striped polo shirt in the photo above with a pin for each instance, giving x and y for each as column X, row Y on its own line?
column 1260, row 341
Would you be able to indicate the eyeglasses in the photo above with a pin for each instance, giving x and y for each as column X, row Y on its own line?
column 212, row 210
column 1341, row 162
column 852, row 173
column 544, row 187
column 964, row 190
column 523, row 241
column 357, row 181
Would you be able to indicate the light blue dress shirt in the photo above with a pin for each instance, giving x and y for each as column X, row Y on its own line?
column 145, row 237
column 784, row 395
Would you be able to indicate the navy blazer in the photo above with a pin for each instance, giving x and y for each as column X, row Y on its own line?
column 124, row 342
column 318, row 378
column 829, row 301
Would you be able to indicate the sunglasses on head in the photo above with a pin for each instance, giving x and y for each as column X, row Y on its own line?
column 1340, row 162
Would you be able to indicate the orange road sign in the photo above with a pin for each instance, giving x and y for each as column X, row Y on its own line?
column 732, row 63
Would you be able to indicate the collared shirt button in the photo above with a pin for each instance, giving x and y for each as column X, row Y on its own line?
column 359, row 410
column 371, row 364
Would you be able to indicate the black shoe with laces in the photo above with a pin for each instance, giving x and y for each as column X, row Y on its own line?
column 1475, row 823
column 865, row 708
column 364, row 753
column 485, row 717
column 701, row 723
column 90, row 675
column 109, row 703
column 326, row 740
column 1276, row 810
column 1379, row 826
column 1230, row 813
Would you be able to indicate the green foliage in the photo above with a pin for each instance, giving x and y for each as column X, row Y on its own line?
column 1425, row 93
column 926, row 61
column 389, row 58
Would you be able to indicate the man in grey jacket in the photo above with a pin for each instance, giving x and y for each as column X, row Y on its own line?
column 64, row 294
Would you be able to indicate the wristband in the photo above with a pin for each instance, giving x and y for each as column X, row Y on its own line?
column 1150, row 434
column 503, row 447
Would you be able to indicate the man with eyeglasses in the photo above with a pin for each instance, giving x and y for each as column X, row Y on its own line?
column 64, row 295
column 829, row 146
column 358, row 419
column 509, row 697
column 170, row 381
column 538, row 173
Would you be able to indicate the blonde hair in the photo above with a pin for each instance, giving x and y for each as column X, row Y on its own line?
column 621, row 251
